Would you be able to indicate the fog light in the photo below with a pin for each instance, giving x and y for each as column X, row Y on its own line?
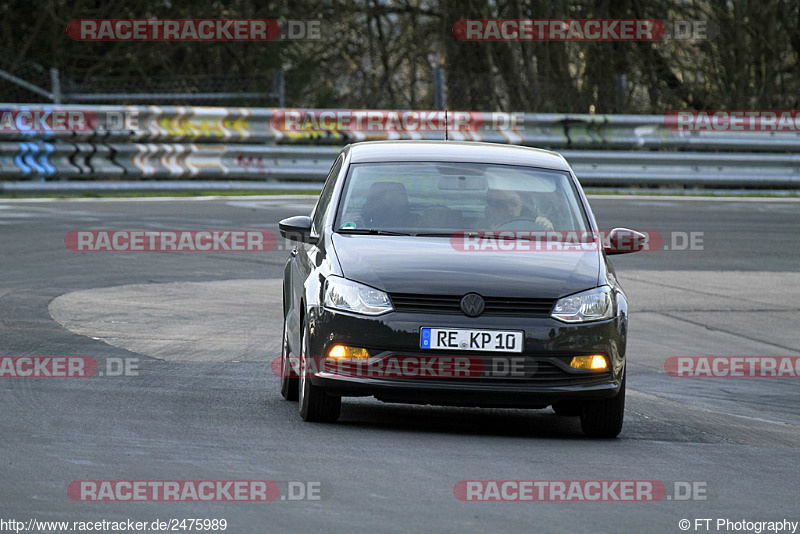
column 343, row 352
column 595, row 362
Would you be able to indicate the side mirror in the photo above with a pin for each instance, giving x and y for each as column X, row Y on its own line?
column 624, row 241
column 297, row 228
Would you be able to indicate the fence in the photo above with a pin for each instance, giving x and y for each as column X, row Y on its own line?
column 214, row 143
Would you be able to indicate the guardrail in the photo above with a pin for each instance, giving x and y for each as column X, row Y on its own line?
column 160, row 161
column 208, row 143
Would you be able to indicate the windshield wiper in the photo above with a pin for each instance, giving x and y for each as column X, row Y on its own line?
column 506, row 235
column 369, row 231
column 442, row 234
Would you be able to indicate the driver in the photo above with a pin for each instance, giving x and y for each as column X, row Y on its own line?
column 505, row 205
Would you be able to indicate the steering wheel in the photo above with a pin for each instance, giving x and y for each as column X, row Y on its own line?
column 514, row 224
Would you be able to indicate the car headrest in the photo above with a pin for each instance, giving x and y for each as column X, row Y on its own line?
column 386, row 205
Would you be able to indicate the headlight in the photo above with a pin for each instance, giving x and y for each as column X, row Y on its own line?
column 346, row 295
column 591, row 305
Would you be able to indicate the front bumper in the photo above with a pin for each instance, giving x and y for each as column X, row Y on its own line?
column 540, row 377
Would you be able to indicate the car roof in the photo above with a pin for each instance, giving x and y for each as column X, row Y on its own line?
column 454, row 151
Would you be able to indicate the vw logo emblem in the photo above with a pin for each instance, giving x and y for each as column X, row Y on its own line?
column 472, row 305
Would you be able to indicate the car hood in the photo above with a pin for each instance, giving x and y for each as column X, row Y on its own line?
column 431, row 265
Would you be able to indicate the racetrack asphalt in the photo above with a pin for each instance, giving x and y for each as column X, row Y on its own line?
column 203, row 327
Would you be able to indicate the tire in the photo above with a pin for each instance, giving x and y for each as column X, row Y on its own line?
column 568, row 408
column 315, row 405
column 603, row 419
column 289, row 381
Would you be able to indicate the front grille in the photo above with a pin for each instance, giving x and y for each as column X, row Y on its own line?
column 509, row 306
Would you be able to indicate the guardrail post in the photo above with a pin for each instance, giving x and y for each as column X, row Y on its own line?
column 55, row 85
column 439, row 94
column 279, row 87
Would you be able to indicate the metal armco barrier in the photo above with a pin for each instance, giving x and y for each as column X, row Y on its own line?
column 156, row 161
column 38, row 142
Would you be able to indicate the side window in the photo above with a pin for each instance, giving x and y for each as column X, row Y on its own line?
column 325, row 197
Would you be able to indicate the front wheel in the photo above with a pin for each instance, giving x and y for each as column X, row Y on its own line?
column 315, row 404
column 603, row 418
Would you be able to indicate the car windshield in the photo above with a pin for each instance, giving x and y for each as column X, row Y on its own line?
column 442, row 198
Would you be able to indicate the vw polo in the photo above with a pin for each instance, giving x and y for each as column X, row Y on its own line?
column 455, row 273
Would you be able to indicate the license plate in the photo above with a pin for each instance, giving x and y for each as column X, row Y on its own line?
column 463, row 339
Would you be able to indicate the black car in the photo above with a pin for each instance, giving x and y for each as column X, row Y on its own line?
column 455, row 273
